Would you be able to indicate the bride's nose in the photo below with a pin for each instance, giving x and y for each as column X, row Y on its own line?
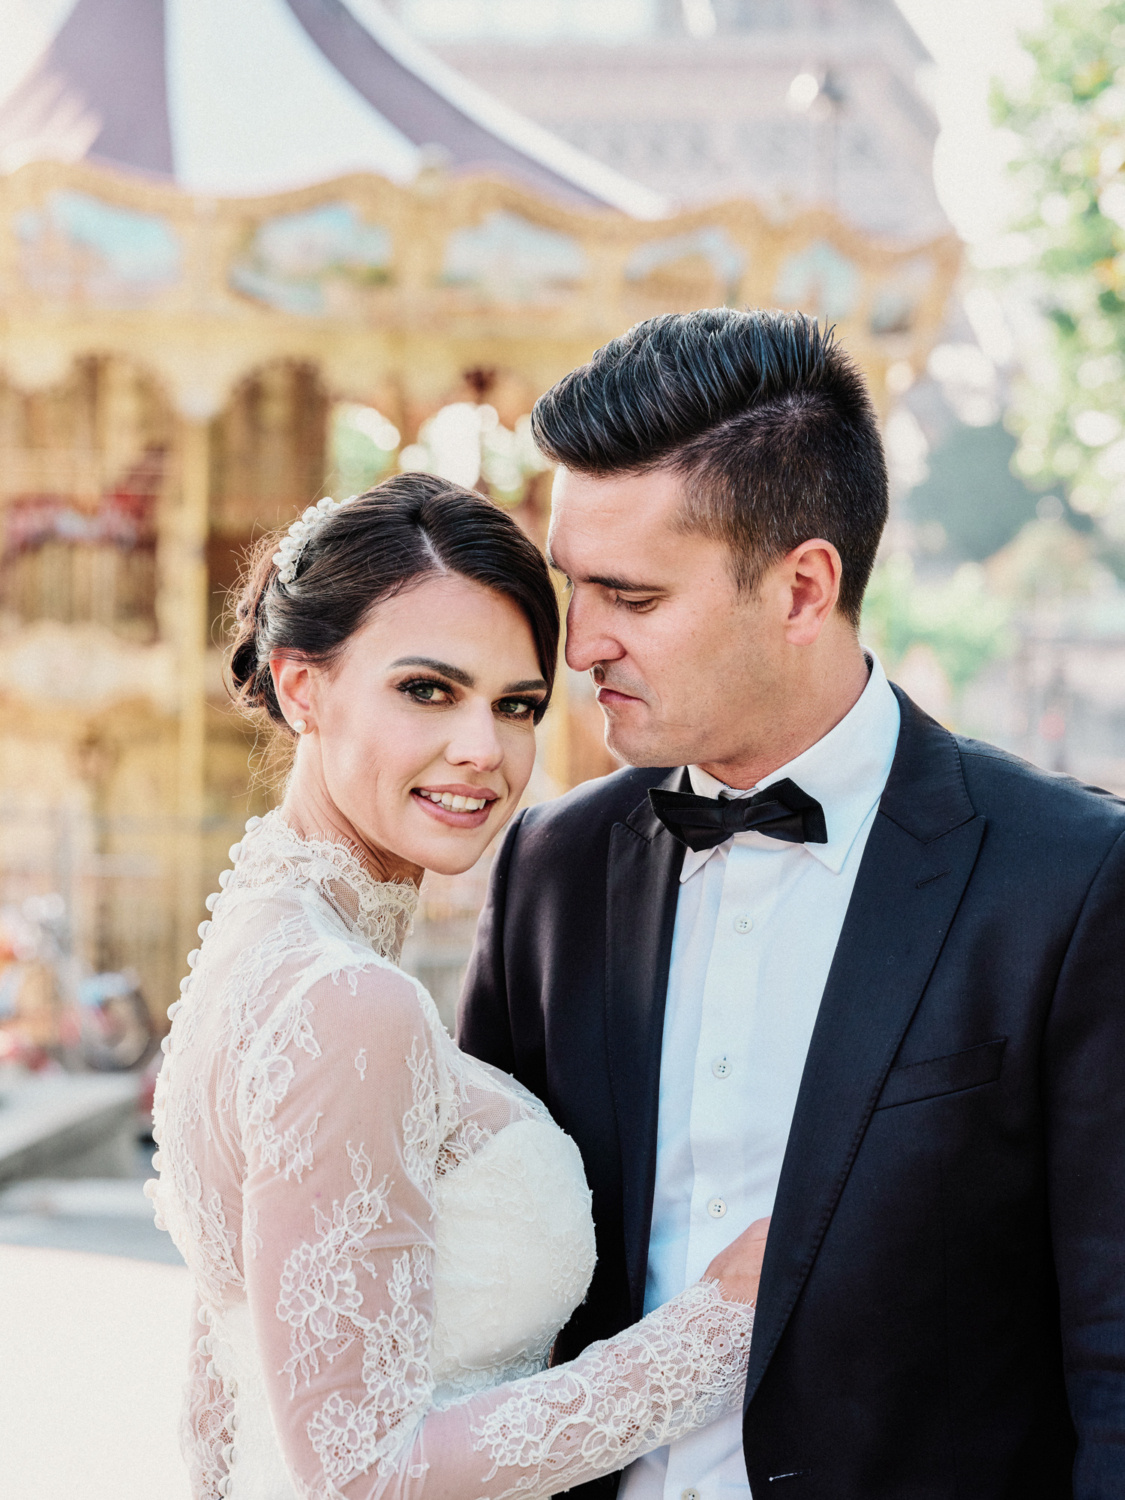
column 475, row 741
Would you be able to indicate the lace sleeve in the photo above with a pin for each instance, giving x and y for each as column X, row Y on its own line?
column 339, row 1119
column 342, row 1147
column 206, row 1423
column 676, row 1371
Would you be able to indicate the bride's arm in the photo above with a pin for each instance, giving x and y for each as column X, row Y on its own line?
column 670, row 1374
column 342, row 1151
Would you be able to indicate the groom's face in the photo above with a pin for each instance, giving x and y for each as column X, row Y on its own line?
column 680, row 657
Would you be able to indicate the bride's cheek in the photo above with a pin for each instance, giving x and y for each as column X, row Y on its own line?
column 520, row 761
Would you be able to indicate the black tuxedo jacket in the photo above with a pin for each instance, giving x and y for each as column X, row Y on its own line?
column 942, row 1308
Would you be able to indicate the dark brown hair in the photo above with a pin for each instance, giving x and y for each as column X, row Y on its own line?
column 407, row 528
column 764, row 416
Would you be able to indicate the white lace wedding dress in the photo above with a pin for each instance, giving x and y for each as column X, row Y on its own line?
column 385, row 1234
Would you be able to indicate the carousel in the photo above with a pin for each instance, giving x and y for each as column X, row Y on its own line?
column 252, row 254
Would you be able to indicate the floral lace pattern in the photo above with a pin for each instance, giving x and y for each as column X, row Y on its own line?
column 384, row 1233
column 620, row 1399
column 379, row 910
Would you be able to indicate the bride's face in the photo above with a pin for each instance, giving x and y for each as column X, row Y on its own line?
column 421, row 736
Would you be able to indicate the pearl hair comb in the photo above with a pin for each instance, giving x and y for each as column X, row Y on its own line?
column 293, row 543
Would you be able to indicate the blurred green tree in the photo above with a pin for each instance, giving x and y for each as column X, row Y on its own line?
column 972, row 495
column 1068, row 123
column 960, row 618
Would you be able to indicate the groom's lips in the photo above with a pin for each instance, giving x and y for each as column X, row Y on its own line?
column 608, row 696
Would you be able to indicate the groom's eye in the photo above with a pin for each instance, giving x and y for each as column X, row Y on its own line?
column 638, row 606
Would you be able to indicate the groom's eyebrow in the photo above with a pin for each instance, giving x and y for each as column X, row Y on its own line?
column 624, row 585
column 610, row 581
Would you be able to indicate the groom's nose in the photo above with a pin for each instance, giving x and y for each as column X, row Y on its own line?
column 587, row 639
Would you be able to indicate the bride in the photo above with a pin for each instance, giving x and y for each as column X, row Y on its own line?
column 386, row 1235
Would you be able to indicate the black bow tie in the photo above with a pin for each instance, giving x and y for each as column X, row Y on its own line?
column 780, row 811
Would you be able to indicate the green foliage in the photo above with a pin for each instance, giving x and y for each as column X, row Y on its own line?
column 1048, row 567
column 961, row 620
column 1070, row 124
column 363, row 448
column 358, row 461
column 972, row 494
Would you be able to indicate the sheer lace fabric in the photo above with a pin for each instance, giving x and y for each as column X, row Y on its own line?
column 385, row 1234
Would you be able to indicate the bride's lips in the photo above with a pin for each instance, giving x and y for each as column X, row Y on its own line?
column 455, row 817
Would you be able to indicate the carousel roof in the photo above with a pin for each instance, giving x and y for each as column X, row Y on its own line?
column 238, row 97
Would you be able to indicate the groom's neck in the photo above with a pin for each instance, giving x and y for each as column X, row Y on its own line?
column 819, row 687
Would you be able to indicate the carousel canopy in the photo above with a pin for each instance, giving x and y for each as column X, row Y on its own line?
column 238, row 97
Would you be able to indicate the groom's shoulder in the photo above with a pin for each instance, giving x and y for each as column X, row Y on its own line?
column 1007, row 789
column 582, row 818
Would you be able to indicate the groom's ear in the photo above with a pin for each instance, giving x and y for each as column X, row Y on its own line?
column 810, row 577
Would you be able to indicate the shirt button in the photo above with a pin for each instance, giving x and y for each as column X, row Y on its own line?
column 689, row 1494
column 716, row 1208
column 742, row 923
column 721, row 1066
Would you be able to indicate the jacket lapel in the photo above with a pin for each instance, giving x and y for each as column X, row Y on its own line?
column 642, row 888
column 919, row 857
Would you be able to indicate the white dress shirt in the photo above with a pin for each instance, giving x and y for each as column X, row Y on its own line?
column 757, row 922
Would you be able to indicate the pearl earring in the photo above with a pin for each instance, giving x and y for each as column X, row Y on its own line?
column 300, row 726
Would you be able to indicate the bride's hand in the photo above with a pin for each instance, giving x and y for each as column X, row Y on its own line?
column 738, row 1268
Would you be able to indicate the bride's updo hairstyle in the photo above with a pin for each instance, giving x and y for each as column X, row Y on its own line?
column 409, row 528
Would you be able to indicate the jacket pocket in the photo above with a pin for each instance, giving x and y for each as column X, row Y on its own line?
column 943, row 1075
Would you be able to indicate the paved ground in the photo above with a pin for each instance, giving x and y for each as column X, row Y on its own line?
column 92, row 1356
column 102, row 1216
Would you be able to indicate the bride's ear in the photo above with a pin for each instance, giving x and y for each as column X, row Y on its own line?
column 292, row 682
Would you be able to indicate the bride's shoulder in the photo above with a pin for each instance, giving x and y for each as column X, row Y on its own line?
column 364, row 986
column 298, row 949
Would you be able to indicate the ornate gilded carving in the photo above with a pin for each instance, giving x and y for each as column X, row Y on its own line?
column 171, row 370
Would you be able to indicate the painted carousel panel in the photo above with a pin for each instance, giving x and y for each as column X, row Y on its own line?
column 899, row 297
column 79, row 248
column 819, row 279
column 320, row 262
column 507, row 258
column 699, row 268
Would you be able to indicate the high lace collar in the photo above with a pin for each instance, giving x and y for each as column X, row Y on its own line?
column 381, row 911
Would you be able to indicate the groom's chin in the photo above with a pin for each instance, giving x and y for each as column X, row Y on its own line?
column 635, row 750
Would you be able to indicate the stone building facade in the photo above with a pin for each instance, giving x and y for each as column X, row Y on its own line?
column 786, row 102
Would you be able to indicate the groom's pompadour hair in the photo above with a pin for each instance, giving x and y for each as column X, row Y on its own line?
column 762, row 413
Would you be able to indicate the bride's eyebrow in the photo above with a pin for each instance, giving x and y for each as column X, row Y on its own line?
column 463, row 679
column 455, row 674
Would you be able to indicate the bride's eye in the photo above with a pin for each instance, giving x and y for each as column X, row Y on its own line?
column 516, row 708
column 426, row 690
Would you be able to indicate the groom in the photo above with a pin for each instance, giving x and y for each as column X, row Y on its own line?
column 837, row 964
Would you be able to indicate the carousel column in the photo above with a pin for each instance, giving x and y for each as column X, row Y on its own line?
column 191, row 641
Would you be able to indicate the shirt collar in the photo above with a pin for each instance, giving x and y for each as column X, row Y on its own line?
column 845, row 771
